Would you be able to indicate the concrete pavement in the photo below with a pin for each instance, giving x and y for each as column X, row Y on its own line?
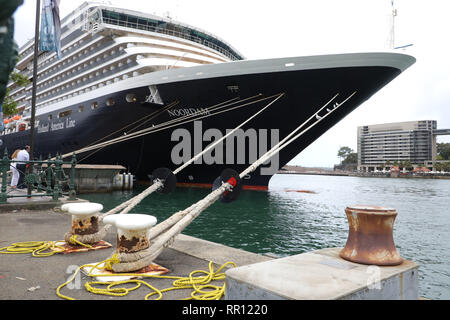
column 20, row 273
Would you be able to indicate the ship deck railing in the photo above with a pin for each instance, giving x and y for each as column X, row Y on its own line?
column 145, row 27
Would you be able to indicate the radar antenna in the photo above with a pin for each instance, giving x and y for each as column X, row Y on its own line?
column 392, row 33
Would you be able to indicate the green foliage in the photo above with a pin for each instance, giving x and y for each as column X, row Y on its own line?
column 9, row 105
column 442, row 166
column 8, row 47
column 443, row 151
column 21, row 80
column 351, row 158
column 408, row 164
column 344, row 152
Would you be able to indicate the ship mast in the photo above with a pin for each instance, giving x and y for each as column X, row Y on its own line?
column 392, row 33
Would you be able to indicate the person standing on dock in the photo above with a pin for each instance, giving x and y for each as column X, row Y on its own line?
column 22, row 157
column 15, row 172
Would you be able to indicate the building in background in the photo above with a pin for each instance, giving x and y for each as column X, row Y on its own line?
column 411, row 142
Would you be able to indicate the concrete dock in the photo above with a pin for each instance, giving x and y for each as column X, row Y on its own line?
column 322, row 275
column 20, row 273
column 318, row 275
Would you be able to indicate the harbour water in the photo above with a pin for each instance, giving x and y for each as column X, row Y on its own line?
column 284, row 222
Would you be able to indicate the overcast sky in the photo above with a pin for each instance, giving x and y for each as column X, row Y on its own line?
column 286, row 28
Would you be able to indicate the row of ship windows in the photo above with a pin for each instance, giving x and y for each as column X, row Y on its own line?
column 106, row 82
column 102, row 58
column 106, row 56
column 130, row 98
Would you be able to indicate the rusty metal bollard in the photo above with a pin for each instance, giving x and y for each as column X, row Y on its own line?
column 132, row 231
column 85, row 224
column 370, row 238
column 84, row 217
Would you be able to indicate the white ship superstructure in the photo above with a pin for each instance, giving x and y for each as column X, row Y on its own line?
column 130, row 86
column 102, row 45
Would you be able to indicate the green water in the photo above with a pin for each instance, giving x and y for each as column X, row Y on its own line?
column 284, row 223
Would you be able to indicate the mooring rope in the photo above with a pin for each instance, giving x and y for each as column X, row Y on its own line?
column 201, row 285
column 142, row 120
column 285, row 142
column 130, row 204
column 162, row 235
column 173, row 226
column 36, row 248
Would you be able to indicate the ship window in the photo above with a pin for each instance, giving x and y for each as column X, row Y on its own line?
column 80, row 108
column 110, row 102
column 64, row 113
column 94, row 105
column 132, row 19
column 131, row 97
column 50, row 117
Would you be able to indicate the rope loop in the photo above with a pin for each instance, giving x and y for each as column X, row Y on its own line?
column 201, row 285
column 73, row 240
column 36, row 248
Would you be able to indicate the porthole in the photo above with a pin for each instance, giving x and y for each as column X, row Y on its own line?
column 110, row 102
column 131, row 97
column 64, row 114
column 94, row 105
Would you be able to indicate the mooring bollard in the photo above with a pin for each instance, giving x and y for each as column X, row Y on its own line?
column 84, row 222
column 370, row 238
column 132, row 231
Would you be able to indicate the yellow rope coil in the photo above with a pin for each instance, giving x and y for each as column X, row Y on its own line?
column 73, row 240
column 202, row 289
column 36, row 248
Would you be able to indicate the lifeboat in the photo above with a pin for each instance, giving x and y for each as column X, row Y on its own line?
column 10, row 124
column 22, row 126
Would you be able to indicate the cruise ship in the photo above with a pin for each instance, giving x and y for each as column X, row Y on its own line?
column 147, row 92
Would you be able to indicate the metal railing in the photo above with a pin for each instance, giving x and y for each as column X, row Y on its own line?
column 43, row 178
column 146, row 27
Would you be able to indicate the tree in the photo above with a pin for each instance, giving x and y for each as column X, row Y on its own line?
column 446, row 166
column 408, row 164
column 351, row 158
column 9, row 105
column 443, row 150
column 343, row 152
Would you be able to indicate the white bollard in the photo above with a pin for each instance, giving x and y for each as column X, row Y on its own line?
column 132, row 231
column 131, row 181
column 126, row 181
column 118, row 182
column 84, row 217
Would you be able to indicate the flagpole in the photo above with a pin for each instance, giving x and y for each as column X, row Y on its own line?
column 33, row 95
column 35, row 62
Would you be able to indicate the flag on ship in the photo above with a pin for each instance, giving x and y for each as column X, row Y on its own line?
column 2, row 126
column 50, row 34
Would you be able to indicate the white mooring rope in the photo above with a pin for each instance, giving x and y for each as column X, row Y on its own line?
column 163, row 234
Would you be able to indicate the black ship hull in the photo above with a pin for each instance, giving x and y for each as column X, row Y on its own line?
column 122, row 112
